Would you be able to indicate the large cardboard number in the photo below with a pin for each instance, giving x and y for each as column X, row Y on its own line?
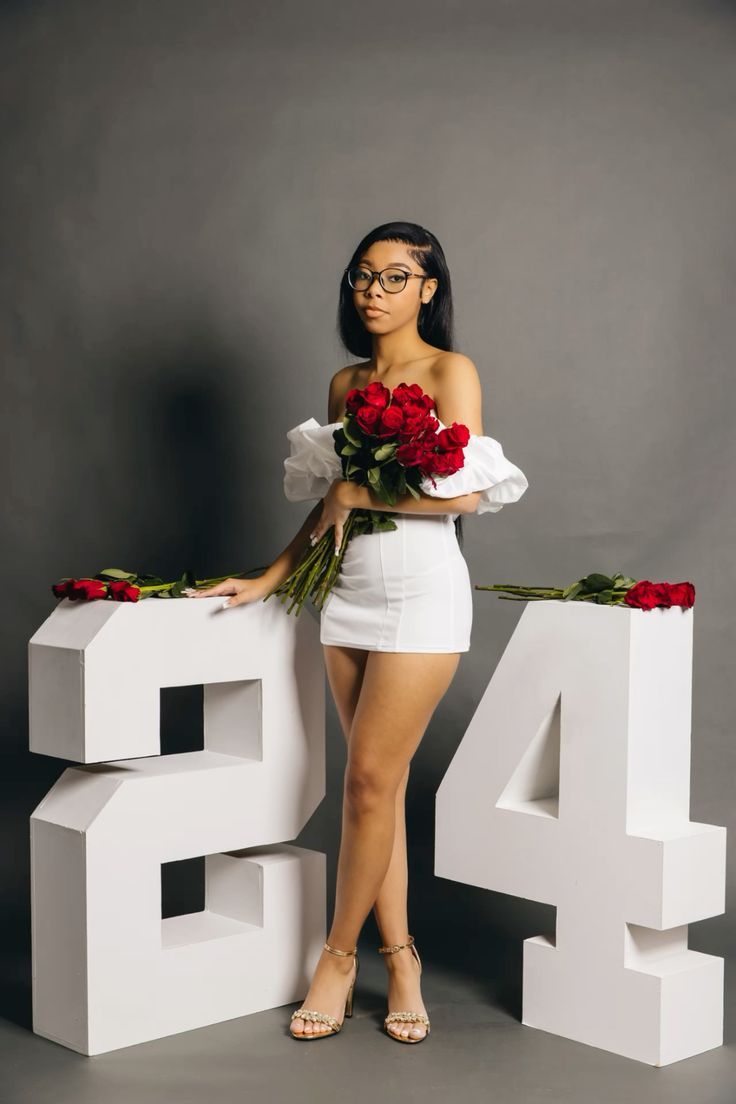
column 571, row 787
column 108, row 971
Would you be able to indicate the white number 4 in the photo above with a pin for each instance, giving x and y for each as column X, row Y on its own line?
column 571, row 787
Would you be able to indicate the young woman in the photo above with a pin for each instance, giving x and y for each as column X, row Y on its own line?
column 399, row 617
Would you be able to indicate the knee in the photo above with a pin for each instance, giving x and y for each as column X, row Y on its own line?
column 366, row 788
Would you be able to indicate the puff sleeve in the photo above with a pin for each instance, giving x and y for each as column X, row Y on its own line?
column 312, row 464
column 486, row 469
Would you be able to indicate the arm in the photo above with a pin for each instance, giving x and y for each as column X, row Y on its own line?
column 363, row 498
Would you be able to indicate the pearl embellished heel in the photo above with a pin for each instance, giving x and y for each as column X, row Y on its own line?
column 405, row 1017
column 322, row 1017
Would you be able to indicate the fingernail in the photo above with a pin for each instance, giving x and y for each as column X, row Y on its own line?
column 337, row 551
column 226, row 603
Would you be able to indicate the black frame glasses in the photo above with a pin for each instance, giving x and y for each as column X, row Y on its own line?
column 389, row 268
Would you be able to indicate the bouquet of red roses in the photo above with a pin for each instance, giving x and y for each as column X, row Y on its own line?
column 388, row 441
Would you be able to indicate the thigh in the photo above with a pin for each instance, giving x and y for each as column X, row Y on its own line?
column 345, row 668
column 398, row 695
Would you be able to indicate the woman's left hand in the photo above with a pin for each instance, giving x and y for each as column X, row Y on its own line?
column 336, row 505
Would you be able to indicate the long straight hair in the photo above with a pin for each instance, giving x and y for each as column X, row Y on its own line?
column 435, row 323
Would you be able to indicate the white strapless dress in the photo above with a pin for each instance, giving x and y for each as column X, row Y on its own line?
column 407, row 589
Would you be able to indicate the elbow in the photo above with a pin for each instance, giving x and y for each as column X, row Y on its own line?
column 470, row 502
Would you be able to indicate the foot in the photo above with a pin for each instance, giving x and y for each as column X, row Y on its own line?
column 404, row 991
column 327, row 993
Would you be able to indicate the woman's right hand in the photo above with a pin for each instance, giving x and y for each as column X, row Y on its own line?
column 241, row 591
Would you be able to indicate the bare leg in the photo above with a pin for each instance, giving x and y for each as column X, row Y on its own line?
column 404, row 989
column 345, row 668
column 345, row 671
column 397, row 696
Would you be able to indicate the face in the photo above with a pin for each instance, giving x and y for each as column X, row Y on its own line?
column 382, row 311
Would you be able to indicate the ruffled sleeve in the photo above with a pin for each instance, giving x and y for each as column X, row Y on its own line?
column 313, row 463
column 486, row 469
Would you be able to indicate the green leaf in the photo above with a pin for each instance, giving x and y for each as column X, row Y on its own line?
column 596, row 582
column 348, row 431
column 384, row 452
column 411, row 491
column 349, row 450
column 374, row 476
column 116, row 573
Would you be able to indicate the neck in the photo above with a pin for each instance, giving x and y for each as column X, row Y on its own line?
column 401, row 346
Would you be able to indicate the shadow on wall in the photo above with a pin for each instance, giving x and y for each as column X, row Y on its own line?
column 172, row 464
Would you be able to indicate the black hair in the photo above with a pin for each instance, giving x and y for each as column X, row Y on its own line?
column 435, row 323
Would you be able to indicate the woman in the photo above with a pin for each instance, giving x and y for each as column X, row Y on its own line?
column 399, row 617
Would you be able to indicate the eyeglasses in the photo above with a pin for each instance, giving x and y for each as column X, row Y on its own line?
column 391, row 280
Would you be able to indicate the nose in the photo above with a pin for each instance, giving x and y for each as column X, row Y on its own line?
column 374, row 287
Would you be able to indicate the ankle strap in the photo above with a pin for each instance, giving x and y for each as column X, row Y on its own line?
column 334, row 950
column 396, row 947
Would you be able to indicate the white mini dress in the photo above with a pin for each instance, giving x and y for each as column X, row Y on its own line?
column 407, row 589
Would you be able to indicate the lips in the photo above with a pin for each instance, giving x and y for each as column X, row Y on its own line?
column 375, row 310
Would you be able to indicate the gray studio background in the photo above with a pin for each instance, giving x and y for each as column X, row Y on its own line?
column 182, row 184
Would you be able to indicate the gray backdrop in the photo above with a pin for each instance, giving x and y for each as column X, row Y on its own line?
column 183, row 183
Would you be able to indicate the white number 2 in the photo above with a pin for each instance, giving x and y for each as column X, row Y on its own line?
column 571, row 787
column 108, row 971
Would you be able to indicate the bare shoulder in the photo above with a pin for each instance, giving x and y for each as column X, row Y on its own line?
column 454, row 365
column 457, row 390
column 456, row 373
column 342, row 381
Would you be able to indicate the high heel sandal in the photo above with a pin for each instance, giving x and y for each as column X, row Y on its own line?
column 405, row 1017
column 322, row 1017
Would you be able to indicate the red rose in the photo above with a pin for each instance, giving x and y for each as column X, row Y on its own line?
column 664, row 597
column 392, row 420
column 61, row 590
column 367, row 418
column 447, row 463
column 455, row 436
column 683, row 594
column 375, row 394
column 410, row 455
column 417, row 422
column 458, row 458
column 641, row 595
column 86, row 589
column 123, row 591
column 648, row 595
column 407, row 393
column 353, row 401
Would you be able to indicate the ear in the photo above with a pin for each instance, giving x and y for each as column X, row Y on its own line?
column 431, row 284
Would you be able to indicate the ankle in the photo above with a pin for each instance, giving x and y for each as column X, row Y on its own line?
column 343, row 964
column 400, row 961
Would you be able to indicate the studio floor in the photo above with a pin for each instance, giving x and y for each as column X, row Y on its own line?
column 478, row 1050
